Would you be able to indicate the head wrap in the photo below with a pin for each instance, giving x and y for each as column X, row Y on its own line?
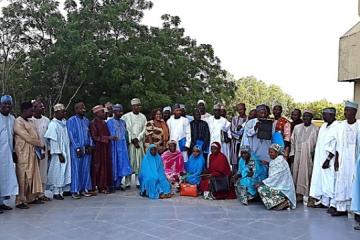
column 351, row 104
column 330, row 110
column 98, row 108
column 217, row 106
column 167, row 108
column 261, row 107
column 135, row 101
column 276, row 147
column 171, row 142
column 6, row 99
column 118, row 107
column 59, row 107
column 245, row 148
column 201, row 101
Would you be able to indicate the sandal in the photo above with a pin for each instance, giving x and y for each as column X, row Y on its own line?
column 282, row 206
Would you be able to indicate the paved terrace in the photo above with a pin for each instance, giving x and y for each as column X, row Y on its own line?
column 126, row 215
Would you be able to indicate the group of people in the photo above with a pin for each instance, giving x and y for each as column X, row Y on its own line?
column 262, row 155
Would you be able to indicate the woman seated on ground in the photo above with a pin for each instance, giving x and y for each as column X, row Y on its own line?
column 173, row 163
column 153, row 182
column 217, row 173
column 195, row 166
column 251, row 172
column 278, row 191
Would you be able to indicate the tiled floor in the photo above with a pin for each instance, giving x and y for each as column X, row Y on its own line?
column 129, row 216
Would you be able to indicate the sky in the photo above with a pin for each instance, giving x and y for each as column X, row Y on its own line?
column 290, row 43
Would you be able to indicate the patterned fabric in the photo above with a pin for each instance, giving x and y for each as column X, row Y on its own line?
column 157, row 135
column 243, row 195
column 271, row 197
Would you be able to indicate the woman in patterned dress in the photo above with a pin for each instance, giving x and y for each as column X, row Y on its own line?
column 157, row 132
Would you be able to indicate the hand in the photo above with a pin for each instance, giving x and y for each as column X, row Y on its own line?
column 257, row 126
column 61, row 158
column 326, row 164
column 264, row 162
column 15, row 159
column 251, row 173
column 42, row 156
column 87, row 149
column 239, row 128
column 79, row 152
column 257, row 185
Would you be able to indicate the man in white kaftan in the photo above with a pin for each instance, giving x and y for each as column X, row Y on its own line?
column 347, row 148
column 135, row 125
column 322, row 186
column 59, row 175
column 179, row 129
column 41, row 124
column 8, row 181
column 201, row 105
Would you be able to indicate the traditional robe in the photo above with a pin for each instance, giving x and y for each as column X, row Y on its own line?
column 173, row 164
column 280, row 180
column 59, row 175
column 153, row 181
column 347, row 145
column 41, row 125
column 237, row 132
column 260, row 147
column 322, row 185
column 303, row 141
column 218, row 129
column 157, row 134
column 194, row 167
column 205, row 116
column 79, row 134
column 119, row 151
column 180, row 130
column 101, row 159
column 355, row 202
column 8, row 181
column 200, row 132
column 27, row 166
column 135, row 124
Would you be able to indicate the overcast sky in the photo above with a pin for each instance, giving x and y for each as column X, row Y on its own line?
column 291, row 43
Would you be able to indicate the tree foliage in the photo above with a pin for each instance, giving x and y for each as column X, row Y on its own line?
column 100, row 51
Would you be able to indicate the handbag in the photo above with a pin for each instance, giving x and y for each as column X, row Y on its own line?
column 188, row 190
column 219, row 184
column 182, row 143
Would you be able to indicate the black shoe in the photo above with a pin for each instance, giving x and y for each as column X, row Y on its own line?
column 22, row 206
column 66, row 194
column 76, row 196
column 4, row 207
column 37, row 201
column 1, row 212
column 137, row 186
column 338, row 214
column 58, row 197
column 128, row 187
column 331, row 210
column 357, row 228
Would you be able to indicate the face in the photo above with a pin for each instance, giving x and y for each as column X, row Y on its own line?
column 118, row 114
column 177, row 113
column 252, row 114
column 328, row 117
column 245, row 155
column 197, row 115
column 277, row 110
column 153, row 151
column 183, row 112
column 136, row 108
column 217, row 113
column 158, row 116
column 110, row 111
column 196, row 152
column 172, row 147
column 60, row 114
column 295, row 115
column 5, row 108
column 38, row 108
column 28, row 113
column 80, row 109
column 307, row 117
column 214, row 149
column 166, row 114
column 273, row 154
column 350, row 113
column 101, row 114
column 201, row 107
column 240, row 108
column 261, row 113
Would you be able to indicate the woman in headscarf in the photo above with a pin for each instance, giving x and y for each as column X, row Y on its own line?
column 278, row 191
column 218, row 167
column 156, row 131
column 153, row 182
column 200, row 133
column 173, row 163
column 251, row 172
column 195, row 166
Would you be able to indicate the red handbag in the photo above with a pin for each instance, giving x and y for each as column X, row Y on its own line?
column 188, row 190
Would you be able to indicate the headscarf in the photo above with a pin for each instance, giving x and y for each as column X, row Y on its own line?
column 151, row 175
column 173, row 161
column 276, row 147
column 194, row 167
column 218, row 163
